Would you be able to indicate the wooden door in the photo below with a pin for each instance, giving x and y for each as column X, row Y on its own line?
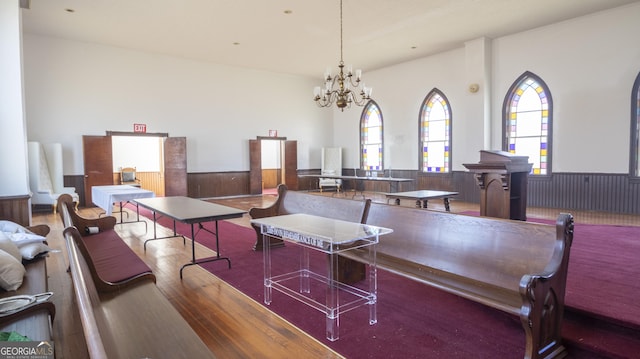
column 291, row 164
column 98, row 164
column 255, row 167
column 175, row 166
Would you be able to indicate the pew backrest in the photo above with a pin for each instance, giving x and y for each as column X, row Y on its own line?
column 495, row 251
column 290, row 202
column 514, row 266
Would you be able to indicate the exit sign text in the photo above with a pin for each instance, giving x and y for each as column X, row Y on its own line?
column 139, row 127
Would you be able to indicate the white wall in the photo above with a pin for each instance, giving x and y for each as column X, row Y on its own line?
column 14, row 171
column 399, row 91
column 589, row 63
column 76, row 89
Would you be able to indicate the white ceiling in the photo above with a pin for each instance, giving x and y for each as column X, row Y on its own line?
column 377, row 33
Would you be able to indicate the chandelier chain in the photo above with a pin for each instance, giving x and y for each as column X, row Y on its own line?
column 341, row 41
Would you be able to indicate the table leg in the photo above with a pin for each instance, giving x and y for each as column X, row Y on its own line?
column 193, row 243
column 355, row 189
column 424, row 203
column 304, row 270
column 333, row 307
column 446, row 204
column 193, row 249
column 393, row 186
column 373, row 285
column 266, row 254
column 138, row 218
column 155, row 234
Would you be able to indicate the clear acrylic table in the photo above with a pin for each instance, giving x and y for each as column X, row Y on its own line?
column 332, row 237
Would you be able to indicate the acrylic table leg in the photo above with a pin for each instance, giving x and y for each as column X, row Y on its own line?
column 333, row 308
column 373, row 285
column 304, row 270
column 266, row 252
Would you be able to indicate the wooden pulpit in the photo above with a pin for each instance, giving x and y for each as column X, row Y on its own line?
column 503, row 178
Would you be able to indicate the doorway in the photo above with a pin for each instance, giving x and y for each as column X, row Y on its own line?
column 272, row 161
column 145, row 154
column 99, row 166
column 272, row 157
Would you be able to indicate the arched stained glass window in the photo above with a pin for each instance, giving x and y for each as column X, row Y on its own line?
column 435, row 133
column 528, row 122
column 371, row 138
column 635, row 129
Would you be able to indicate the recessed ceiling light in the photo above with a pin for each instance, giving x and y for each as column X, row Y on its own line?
column 69, row 10
column 414, row 47
column 236, row 43
column 288, row 12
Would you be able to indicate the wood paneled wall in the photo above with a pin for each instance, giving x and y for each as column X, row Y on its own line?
column 615, row 193
column 152, row 181
column 217, row 184
column 271, row 177
column 16, row 209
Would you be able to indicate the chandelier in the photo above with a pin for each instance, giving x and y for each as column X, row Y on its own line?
column 343, row 89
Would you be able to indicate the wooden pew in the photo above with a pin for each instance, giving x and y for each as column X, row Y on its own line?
column 34, row 321
column 513, row 266
column 135, row 321
column 113, row 264
column 290, row 202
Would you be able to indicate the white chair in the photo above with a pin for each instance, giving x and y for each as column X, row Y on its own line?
column 45, row 174
column 331, row 165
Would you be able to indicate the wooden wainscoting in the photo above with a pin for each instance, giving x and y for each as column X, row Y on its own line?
column 16, row 209
column 152, row 181
column 271, row 177
column 217, row 184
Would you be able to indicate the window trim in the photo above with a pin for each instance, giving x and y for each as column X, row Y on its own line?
column 505, row 117
column 634, row 142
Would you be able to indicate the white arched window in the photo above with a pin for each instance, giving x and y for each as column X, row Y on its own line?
column 527, row 120
column 435, row 133
column 371, row 138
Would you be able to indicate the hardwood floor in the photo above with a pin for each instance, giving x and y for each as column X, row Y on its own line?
column 230, row 323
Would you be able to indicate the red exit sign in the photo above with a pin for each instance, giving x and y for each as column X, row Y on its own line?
column 139, row 127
